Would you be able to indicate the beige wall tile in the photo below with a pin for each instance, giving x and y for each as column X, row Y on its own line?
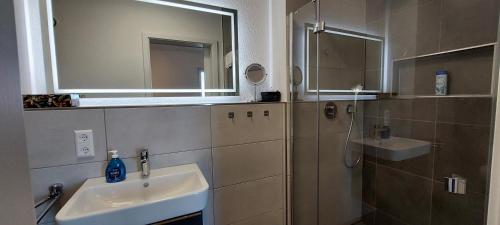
column 304, row 120
column 243, row 129
column 271, row 218
column 161, row 129
column 72, row 177
column 236, row 164
column 305, row 181
column 177, row 136
column 51, row 140
column 201, row 157
column 246, row 200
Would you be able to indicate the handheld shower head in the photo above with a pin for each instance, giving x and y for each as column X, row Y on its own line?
column 358, row 88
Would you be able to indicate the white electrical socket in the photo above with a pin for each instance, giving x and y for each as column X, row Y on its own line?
column 84, row 142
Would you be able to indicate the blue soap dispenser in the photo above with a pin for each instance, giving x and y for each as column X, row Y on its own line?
column 115, row 171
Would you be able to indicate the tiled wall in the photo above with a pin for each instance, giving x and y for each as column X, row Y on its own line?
column 412, row 191
column 469, row 73
column 243, row 158
column 428, row 26
column 389, row 192
column 420, row 27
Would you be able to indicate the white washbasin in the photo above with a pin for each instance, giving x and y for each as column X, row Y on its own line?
column 395, row 148
column 170, row 192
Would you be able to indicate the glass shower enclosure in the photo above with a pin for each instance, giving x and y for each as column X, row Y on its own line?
column 392, row 111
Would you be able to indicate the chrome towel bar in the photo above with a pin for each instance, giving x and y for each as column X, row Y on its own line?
column 55, row 192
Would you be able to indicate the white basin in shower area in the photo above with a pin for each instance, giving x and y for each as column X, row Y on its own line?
column 395, row 148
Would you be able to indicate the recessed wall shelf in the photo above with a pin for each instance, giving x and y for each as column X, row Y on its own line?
column 414, row 77
column 440, row 96
column 446, row 52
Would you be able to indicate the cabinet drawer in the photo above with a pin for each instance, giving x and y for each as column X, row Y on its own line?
column 241, row 163
column 191, row 219
column 247, row 123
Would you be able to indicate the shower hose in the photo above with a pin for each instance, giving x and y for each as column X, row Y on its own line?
column 347, row 150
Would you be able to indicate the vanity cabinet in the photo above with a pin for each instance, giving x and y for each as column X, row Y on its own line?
column 191, row 219
column 247, row 123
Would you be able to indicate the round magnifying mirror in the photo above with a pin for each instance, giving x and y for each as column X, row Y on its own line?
column 297, row 76
column 255, row 73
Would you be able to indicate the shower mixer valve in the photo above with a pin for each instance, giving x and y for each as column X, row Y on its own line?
column 351, row 109
column 330, row 110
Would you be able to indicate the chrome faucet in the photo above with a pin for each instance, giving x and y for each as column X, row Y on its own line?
column 145, row 167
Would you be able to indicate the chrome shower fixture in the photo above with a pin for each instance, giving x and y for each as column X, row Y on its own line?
column 352, row 109
column 358, row 88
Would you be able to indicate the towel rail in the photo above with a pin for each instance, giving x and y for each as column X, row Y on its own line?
column 55, row 192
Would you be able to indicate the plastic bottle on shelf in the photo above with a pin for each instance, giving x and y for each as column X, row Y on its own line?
column 441, row 82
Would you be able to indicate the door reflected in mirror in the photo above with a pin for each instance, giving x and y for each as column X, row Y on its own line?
column 142, row 48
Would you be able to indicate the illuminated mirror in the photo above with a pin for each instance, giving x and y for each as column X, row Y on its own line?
column 343, row 60
column 142, row 48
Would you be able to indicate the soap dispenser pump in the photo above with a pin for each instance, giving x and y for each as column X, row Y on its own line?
column 115, row 171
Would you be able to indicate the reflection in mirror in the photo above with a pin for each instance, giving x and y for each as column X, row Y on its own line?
column 346, row 59
column 158, row 48
column 297, row 76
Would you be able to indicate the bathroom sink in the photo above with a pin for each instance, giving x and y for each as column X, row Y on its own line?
column 395, row 148
column 167, row 193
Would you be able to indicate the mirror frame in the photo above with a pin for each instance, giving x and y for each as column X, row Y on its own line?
column 172, row 3
column 262, row 68
column 310, row 29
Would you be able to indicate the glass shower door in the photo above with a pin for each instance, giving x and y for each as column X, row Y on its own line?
column 304, row 118
column 349, row 73
column 424, row 152
column 330, row 68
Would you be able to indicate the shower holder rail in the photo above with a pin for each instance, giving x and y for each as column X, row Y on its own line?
column 55, row 192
